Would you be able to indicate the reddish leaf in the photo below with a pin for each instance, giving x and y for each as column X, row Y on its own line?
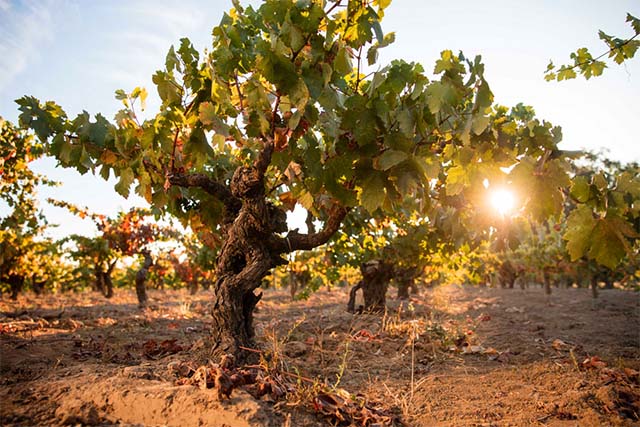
column 593, row 362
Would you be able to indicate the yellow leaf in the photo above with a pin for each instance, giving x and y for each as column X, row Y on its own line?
column 108, row 157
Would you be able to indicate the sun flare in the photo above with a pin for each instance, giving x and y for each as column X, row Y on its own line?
column 503, row 201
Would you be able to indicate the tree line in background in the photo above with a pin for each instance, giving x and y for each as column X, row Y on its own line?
column 30, row 260
column 369, row 252
column 392, row 167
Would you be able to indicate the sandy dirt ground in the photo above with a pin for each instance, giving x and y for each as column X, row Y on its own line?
column 452, row 356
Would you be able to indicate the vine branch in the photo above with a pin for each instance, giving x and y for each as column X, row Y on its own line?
column 608, row 52
column 173, row 150
column 211, row 186
column 240, row 95
column 297, row 241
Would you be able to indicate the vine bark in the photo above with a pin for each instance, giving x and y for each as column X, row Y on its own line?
column 252, row 246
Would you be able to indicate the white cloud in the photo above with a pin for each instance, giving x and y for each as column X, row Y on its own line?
column 24, row 30
column 128, row 55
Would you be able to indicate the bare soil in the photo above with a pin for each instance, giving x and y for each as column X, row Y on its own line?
column 453, row 356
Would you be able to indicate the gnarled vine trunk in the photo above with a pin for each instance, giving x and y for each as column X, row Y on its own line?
column 193, row 285
column 375, row 281
column 141, row 279
column 298, row 280
column 38, row 286
column 98, row 284
column 406, row 280
column 103, row 282
column 252, row 246
column 414, row 288
column 507, row 275
column 107, row 283
column 16, row 283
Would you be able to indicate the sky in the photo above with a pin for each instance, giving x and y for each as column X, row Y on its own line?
column 79, row 52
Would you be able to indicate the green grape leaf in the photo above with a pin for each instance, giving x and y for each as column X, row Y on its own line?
column 580, row 225
column 445, row 62
column 480, row 123
column 600, row 181
column 104, row 172
column 406, row 122
column 172, row 62
column 197, row 149
column 438, row 94
column 457, row 180
column 607, row 246
column 207, row 113
column 372, row 195
column 168, row 89
column 342, row 64
column 581, row 189
column 372, row 55
column 124, row 183
column 121, row 95
column 635, row 22
column 390, row 158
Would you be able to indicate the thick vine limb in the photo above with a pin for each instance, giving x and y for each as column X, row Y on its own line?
column 311, row 228
column 351, row 305
column 264, row 158
column 212, row 187
column 296, row 241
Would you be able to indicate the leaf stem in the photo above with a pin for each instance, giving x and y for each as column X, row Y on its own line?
column 173, row 151
column 593, row 60
column 240, row 95
column 358, row 69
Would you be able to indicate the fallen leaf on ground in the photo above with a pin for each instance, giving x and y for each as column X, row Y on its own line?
column 472, row 349
column 491, row 351
column 593, row 362
column 180, row 369
column 365, row 335
column 342, row 407
column 152, row 350
column 560, row 345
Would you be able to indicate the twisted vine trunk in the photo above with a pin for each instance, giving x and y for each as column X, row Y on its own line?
column 245, row 259
column 298, row 280
column 406, row 279
column 103, row 280
column 98, row 285
column 108, row 285
column 141, row 279
column 38, row 286
column 193, row 285
column 507, row 275
column 16, row 283
column 252, row 246
column 375, row 281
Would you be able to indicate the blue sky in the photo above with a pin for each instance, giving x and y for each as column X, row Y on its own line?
column 79, row 52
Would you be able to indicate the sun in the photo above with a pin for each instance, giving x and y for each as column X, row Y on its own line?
column 503, row 201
